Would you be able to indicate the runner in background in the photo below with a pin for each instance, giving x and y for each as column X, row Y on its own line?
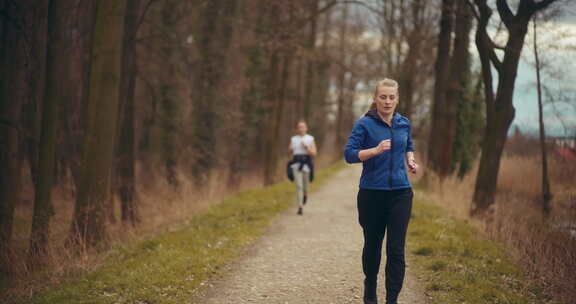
column 303, row 149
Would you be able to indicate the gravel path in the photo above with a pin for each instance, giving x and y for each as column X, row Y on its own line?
column 313, row 258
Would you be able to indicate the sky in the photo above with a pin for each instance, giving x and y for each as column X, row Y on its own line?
column 557, row 48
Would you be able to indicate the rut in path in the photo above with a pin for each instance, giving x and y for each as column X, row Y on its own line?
column 313, row 258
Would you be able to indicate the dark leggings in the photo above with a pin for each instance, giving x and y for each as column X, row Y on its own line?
column 378, row 211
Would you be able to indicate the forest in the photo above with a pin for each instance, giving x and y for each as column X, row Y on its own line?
column 119, row 117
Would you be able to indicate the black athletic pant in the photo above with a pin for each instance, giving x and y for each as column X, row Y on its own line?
column 380, row 211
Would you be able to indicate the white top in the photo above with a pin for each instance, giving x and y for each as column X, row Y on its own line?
column 296, row 143
column 298, row 149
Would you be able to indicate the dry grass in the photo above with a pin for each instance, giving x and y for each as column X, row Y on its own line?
column 546, row 253
column 456, row 263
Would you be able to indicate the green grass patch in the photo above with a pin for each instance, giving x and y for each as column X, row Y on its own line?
column 172, row 267
column 423, row 251
column 458, row 265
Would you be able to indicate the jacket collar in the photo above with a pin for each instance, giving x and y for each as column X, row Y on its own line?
column 374, row 114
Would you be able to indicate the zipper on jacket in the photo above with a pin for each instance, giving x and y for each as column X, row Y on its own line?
column 391, row 154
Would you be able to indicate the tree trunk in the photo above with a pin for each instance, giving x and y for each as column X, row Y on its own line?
column 323, row 67
column 311, row 64
column 442, row 72
column 13, row 60
column 55, row 90
column 277, row 125
column 168, row 98
column 340, row 135
column 34, row 31
column 497, row 125
column 455, row 90
column 406, row 81
column 89, row 221
column 74, row 106
column 125, row 170
column 546, row 193
column 270, row 142
column 275, row 85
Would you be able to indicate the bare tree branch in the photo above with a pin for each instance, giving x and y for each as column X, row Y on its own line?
column 484, row 14
column 543, row 4
column 143, row 14
column 328, row 6
column 493, row 57
column 505, row 12
column 527, row 8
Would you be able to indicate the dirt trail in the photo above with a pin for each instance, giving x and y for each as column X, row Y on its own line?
column 313, row 258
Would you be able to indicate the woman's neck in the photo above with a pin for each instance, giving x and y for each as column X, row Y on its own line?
column 386, row 117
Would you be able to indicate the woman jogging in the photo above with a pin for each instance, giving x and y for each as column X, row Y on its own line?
column 303, row 149
column 382, row 141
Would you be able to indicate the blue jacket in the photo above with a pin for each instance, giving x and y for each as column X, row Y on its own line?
column 386, row 171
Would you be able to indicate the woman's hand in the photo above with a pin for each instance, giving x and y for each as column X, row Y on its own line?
column 311, row 148
column 379, row 149
column 382, row 146
column 412, row 165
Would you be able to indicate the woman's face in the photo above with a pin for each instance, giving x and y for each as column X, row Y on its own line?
column 301, row 128
column 386, row 100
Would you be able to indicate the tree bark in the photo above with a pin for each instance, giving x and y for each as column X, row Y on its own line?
column 455, row 90
column 55, row 91
column 276, row 124
column 273, row 84
column 89, row 221
column 442, row 73
column 12, row 60
column 340, row 135
column 311, row 63
column 34, row 31
column 125, row 169
column 168, row 97
column 74, row 106
column 320, row 94
column 270, row 142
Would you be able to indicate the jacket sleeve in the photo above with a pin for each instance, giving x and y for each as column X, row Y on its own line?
column 354, row 144
column 409, row 143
